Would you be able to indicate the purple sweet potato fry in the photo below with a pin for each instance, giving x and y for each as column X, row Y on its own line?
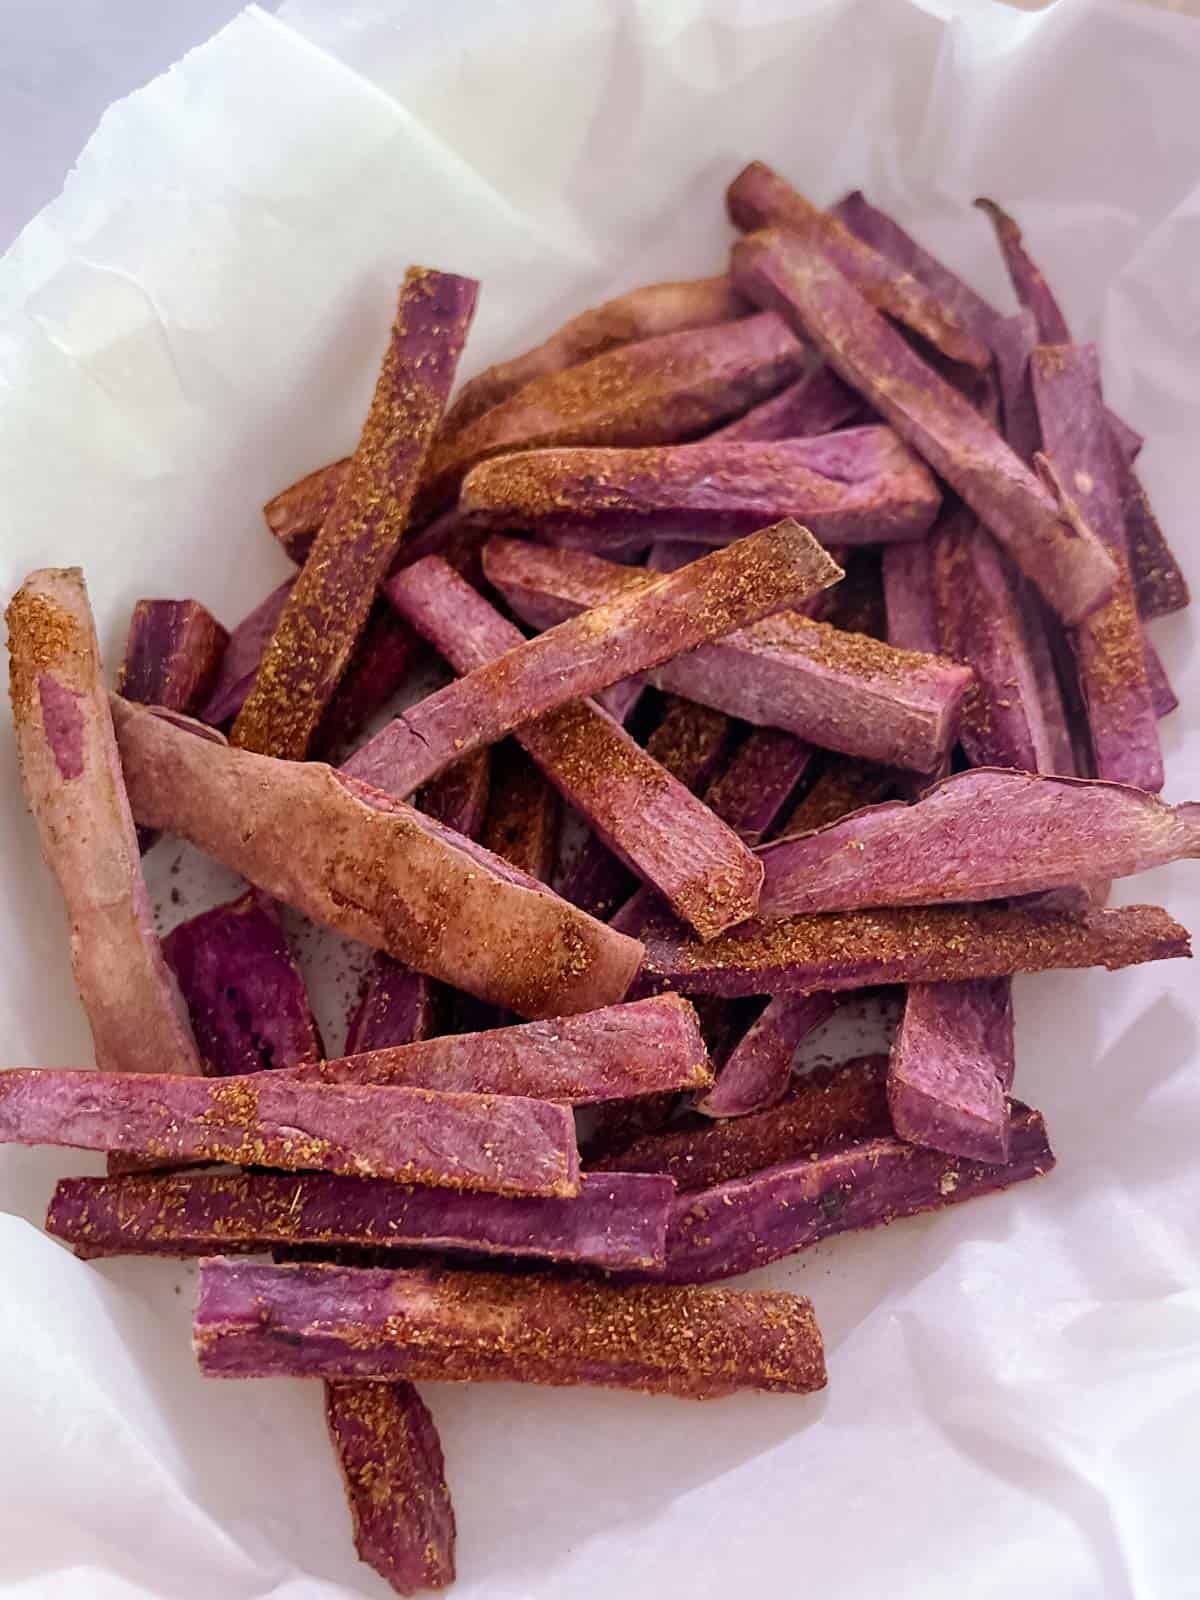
column 1013, row 343
column 1157, row 577
column 524, row 816
column 760, row 198
column 616, row 1220
column 750, row 1222
column 1162, row 695
column 690, row 743
column 859, row 486
column 641, row 1048
column 239, row 664
column 1060, row 553
column 841, row 786
column 328, row 606
column 985, row 834
column 657, row 391
column 396, row 1005
column 172, row 654
column 391, row 1461
column 641, row 812
column 254, row 1320
column 825, row 1107
column 908, row 597
column 907, row 944
column 818, row 402
column 756, row 784
column 641, row 626
column 382, row 659
column 1032, row 289
column 376, row 870
column 498, row 1143
column 296, row 513
column 759, row 1071
column 842, row 691
column 951, row 1066
column 71, row 775
column 244, row 993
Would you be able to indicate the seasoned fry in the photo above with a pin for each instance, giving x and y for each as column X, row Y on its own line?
column 759, row 1069
column 818, row 402
column 951, row 1065
column 755, row 786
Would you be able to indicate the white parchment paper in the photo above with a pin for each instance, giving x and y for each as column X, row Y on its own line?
column 1014, row 1392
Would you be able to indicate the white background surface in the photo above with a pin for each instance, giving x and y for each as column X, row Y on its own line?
column 1015, row 1386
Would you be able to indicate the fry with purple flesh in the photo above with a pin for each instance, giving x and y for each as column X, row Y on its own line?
column 750, row 1222
column 908, row 597
column 1058, row 551
column 172, row 654
column 760, row 198
column 374, row 869
column 296, row 513
column 618, row 1219
column 306, row 1321
column 759, row 1070
column 501, row 1144
column 860, row 486
column 382, row 659
column 239, row 664
column 818, row 402
column 524, row 816
column 908, row 944
column 327, row 608
column 756, row 784
column 830, row 688
column 71, row 774
column 951, row 1066
column 843, row 785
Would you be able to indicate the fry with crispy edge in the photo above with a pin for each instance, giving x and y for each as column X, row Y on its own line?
column 618, row 1219
column 908, row 944
column 636, row 629
column 71, row 774
column 759, row 1068
column 646, row 816
column 760, row 198
column 951, row 1066
column 750, row 1222
column 244, row 993
column 1055, row 548
column 859, row 486
column 328, row 605
column 839, row 690
column 818, row 402
column 391, row 1461
column 259, row 1321
column 502, row 1144
column 374, row 869
column 986, row 834
column 825, row 1107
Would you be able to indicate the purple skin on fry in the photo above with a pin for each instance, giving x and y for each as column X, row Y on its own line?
column 71, row 774
column 244, row 994
column 639, row 809
column 618, row 1219
column 172, row 655
column 951, row 1066
column 750, row 1222
column 760, row 198
column 760, row 777
column 986, row 834
column 859, row 486
column 391, row 1459
column 1063, row 556
column 759, row 1071
column 908, row 597
column 1162, row 696
column 818, row 402
column 641, row 627
column 636, row 1049
column 353, row 859
column 1157, row 577
column 820, row 684
column 239, row 664
column 500, row 1144
column 382, row 660
column 255, row 1320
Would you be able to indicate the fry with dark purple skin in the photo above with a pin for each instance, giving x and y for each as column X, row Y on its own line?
column 908, row 944
column 643, row 814
column 818, row 402
column 951, row 1066
column 1014, row 341
column 756, row 784
column 1058, row 552
column 1109, row 653
column 1157, row 579
column 244, row 994
column 254, row 1320
column 327, row 608
column 842, row 691
column 908, row 597
column 987, row 834
column 759, row 1070
column 1032, row 289
column 71, row 774
column 501, row 1144
column 657, row 391
column 980, row 624
column 172, row 654
column 842, row 786
column 374, row 869
column 391, row 1460
column 825, row 1107
column 750, row 1222
column 860, row 486
column 616, row 1051
column 640, row 626
column 616, row 1220
column 383, row 658
column 1162, row 696
column 760, row 198
column 296, row 513
column 239, row 664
